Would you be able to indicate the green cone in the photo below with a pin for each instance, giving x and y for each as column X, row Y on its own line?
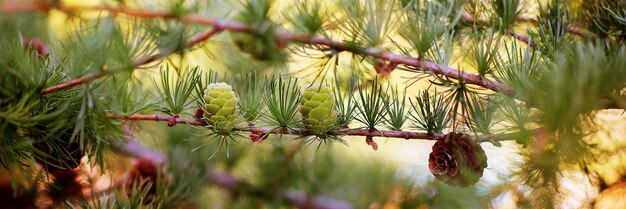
column 220, row 110
column 261, row 47
column 318, row 109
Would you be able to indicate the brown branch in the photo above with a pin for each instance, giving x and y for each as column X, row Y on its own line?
column 156, row 118
column 229, row 182
column 493, row 138
column 287, row 36
column 219, row 25
column 139, row 62
column 73, row 82
column 469, row 19
column 400, row 59
column 523, row 38
column 573, row 30
column 283, row 36
column 293, row 131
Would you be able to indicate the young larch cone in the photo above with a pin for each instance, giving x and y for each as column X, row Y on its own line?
column 220, row 110
column 457, row 160
column 317, row 109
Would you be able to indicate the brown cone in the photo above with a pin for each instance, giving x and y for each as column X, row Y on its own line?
column 456, row 159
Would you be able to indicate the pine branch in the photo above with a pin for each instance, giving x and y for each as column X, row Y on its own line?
column 157, row 118
column 139, row 62
column 228, row 182
column 284, row 36
column 299, row 131
column 469, row 19
column 573, row 30
column 73, row 82
column 523, row 38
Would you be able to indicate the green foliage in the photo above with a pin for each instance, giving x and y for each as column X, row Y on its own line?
column 518, row 67
column 308, row 17
column 558, row 82
column 262, row 44
column 132, row 197
column 345, row 102
column 482, row 113
column 459, row 97
column 430, row 113
column 507, row 11
column 250, row 96
column 552, row 25
column 176, row 92
column 55, row 127
column 128, row 97
column 372, row 104
column 425, row 22
column 442, row 50
column 396, row 115
column 101, row 46
column 369, row 22
column 518, row 119
column 583, row 73
column 607, row 17
column 485, row 53
column 282, row 97
column 168, row 36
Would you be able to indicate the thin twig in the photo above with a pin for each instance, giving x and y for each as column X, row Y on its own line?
column 284, row 37
column 523, row 38
column 73, row 82
column 401, row 59
column 573, row 30
column 156, row 118
column 298, row 131
column 230, row 183
column 139, row 62
column 468, row 18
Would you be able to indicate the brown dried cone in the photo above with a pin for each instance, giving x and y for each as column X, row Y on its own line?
column 21, row 198
column 66, row 185
column 143, row 170
column 65, row 156
column 63, row 167
column 457, row 160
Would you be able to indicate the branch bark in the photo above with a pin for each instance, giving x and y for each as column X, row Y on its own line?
column 283, row 36
column 523, row 38
column 230, row 183
column 139, row 62
column 299, row 131
column 573, row 30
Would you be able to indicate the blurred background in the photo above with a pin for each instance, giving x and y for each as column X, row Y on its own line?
column 407, row 158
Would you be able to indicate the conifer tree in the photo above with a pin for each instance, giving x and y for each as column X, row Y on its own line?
column 105, row 105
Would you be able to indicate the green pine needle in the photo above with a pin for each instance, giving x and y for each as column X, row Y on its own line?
column 176, row 92
column 372, row 104
column 396, row 115
column 282, row 98
column 430, row 113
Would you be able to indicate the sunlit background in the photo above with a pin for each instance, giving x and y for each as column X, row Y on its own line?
column 410, row 157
